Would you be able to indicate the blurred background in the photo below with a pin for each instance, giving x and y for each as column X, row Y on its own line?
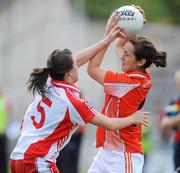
column 31, row 29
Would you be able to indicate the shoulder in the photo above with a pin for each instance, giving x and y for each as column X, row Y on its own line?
column 131, row 77
column 112, row 76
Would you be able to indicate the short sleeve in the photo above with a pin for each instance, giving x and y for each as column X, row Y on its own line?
column 84, row 112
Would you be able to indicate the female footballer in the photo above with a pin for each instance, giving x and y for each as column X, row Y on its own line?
column 125, row 92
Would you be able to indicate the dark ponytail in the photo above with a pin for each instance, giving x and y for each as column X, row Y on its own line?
column 145, row 49
column 58, row 63
column 37, row 80
column 160, row 59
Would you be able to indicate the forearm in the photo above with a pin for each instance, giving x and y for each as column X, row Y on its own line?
column 119, row 46
column 97, row 59
column 178, row 119
column 175, row 121
column 94, row 70
column 111, row 123
column 170, row 122
column 119, row 123
column 85, row 55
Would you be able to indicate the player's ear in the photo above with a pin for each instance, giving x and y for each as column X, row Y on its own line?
column 69, row 73
column 141, row 62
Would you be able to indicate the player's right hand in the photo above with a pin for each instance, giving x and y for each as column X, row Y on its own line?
column 112, row 22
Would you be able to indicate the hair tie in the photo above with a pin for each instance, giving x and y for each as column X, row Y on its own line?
column 48, row 70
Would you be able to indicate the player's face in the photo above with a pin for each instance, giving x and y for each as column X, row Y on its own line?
column 128, row 59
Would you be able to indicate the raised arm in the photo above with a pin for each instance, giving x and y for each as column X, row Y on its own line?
column 94, row 70
column 85, row 55
column 118, row 123
column 119, row 46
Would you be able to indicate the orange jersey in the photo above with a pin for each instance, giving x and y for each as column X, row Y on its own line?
column 125, row 93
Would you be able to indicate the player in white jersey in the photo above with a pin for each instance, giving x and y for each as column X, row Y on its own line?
column 57, row 110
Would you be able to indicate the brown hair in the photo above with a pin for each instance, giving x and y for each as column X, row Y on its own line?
column 58, row 63
column 145, row 49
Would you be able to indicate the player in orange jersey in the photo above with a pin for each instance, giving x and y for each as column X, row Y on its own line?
column 125, row 92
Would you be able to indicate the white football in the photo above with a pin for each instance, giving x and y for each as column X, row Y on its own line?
column 131, row 20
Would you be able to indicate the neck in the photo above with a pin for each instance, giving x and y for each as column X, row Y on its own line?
column 69, row 80
column 140, row 70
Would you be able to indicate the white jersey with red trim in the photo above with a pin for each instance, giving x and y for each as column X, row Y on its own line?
column 50, row 121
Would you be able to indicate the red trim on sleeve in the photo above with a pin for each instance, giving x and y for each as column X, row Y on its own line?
column 86, row 112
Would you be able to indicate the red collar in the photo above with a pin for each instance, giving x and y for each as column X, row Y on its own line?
column 63, row 84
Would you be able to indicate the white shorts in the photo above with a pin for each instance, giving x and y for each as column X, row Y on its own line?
column 111, row 161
